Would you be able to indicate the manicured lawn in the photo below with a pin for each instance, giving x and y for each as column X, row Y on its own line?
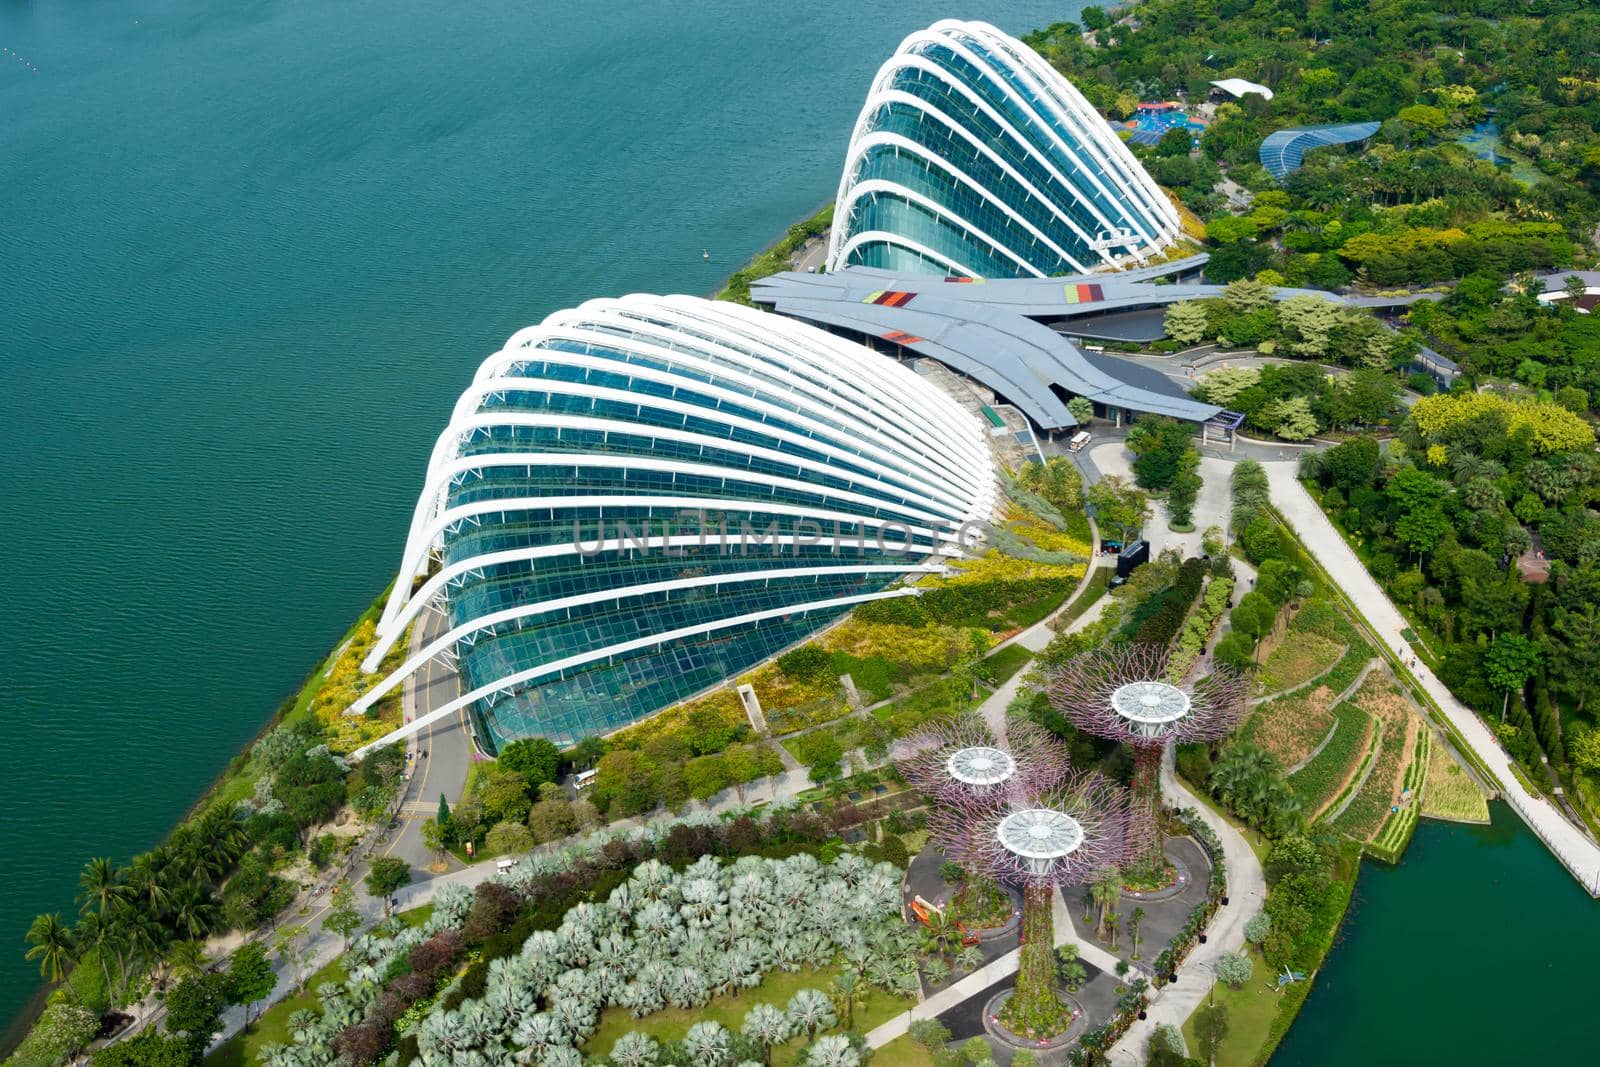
column 1450, row 792
column 779, row 986
column 244, row 1050
column 943, row 697
column 1099, row 583
column 1250, row 1014
column 902, row 1052
column 1008, row 661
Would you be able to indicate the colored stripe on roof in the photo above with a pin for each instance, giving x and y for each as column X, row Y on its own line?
column 894, row 298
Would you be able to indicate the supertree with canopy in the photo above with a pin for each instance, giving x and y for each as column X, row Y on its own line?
column 1013, row 811
column 1130, row 693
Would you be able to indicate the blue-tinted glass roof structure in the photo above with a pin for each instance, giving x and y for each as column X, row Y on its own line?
column 583, row 515
column 973, row 156
column 1283, row 152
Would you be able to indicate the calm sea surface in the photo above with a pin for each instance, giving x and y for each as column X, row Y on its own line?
column 250, row 251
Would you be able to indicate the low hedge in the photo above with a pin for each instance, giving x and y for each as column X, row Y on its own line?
column 1161, row 625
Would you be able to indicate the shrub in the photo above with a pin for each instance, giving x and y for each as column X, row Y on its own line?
column 808, row 663
column 1256, row 930
column 435, row 955
column 494, row 908
column 1234, row 969
column 364, row 1042
column 509, row 836
column 931, row 1034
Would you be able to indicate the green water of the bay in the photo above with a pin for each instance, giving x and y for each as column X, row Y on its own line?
column 1475, row 950
column 250, row 252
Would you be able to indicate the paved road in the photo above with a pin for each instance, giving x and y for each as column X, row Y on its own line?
column 812, row 254
column 442, row 753
column 1211, row 506
column 1575, row 849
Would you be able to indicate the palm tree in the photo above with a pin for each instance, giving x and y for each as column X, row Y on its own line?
column 101, row 884
column 1104, row 891
column 811, row 1010
column 832, row 1051
column 194, row 913
column 767, row 1026
column 187, row 959
column 634, row 1049
column 707, row 1044
column 848, row 991
column 143, row 937
column 51, row 942
column 147, row 887
column 1133, row 929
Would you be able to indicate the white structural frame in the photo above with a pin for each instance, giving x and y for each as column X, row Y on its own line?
column 981, row 765
column 1151, row 708
column 715, row 374
column 1095, row 151
column 1040, row 837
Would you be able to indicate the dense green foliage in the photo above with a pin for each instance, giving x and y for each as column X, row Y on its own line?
column 1412, row 204
column 1447, row 519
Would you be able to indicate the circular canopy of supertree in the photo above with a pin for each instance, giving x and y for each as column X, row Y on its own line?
column 1041, row 837
column 1063, row 833
column 980, row 765
column 960, row 754
column 1124, row 693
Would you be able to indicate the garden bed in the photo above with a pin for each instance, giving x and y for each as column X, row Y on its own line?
column 1298, row 661
column 1291, row 727
column 1449, row 792
column 1381, row 795
column 1319, row 783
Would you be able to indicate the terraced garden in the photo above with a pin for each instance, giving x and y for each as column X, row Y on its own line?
column 1319, row 783
column 1450, row 793
column 1381, row 795
column 1291, row 727
column 1298, row 659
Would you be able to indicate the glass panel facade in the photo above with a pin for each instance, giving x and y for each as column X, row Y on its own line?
column 1014, row 163
column 652, row 466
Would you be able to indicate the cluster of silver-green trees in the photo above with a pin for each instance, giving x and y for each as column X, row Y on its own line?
column 663, row 939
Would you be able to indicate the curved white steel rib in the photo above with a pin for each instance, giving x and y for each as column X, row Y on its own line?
column 727, row 387
column 501, row 685
column 477, row 625
column 1108, row 184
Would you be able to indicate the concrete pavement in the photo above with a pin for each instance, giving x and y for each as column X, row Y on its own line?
column 442, row 753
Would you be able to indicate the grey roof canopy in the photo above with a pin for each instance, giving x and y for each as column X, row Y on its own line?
column 999, row 346
column 987, row 329
column 1283, row 152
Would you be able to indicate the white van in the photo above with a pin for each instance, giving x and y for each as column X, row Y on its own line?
column 1079, row 439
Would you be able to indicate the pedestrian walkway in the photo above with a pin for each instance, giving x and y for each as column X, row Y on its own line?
column 1247, row 892
column 1574, row 848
